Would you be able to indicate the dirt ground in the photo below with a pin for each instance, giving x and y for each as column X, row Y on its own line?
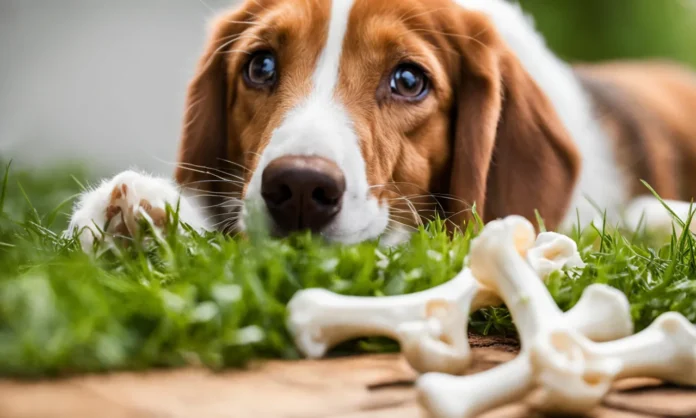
column 374, row 386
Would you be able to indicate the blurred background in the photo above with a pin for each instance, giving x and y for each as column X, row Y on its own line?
column 103, row 81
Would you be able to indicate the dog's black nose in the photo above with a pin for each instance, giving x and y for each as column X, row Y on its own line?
column 302, row 192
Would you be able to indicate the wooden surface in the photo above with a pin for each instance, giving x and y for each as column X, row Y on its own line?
column 377, row 386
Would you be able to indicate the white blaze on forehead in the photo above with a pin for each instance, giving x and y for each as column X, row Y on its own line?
column 321, row 126
column 326, row 74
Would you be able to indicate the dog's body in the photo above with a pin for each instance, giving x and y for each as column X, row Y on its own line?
column 359, row 118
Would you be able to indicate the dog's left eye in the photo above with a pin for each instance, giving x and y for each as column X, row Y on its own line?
column 409, row 82
column 260, row 71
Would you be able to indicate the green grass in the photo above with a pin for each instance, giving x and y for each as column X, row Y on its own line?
column 219, row 301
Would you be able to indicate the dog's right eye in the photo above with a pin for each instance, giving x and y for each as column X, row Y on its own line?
column 260, row 71
column 409, row 82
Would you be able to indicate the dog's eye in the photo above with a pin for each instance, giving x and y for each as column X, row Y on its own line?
column 261, row 70
column 409, row 82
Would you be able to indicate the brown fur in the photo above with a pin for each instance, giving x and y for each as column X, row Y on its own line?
column 227, row 124
column 649, row 109
column 511, row 155
column 507, row 151
column 486, row 134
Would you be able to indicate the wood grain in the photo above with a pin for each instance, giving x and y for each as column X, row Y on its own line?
column 374, row 386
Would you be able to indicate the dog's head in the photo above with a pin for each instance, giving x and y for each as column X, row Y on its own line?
column 358, row 118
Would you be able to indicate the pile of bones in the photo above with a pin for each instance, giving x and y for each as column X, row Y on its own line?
column 567, row 360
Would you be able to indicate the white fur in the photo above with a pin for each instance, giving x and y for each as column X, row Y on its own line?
column 89, row 215
column 600, row 179
column 321, row 126
column 650, row 213
column 326, row 74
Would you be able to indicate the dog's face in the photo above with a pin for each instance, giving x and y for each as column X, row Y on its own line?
column 358, row 118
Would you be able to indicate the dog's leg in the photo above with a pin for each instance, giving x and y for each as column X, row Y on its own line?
column 116, row 206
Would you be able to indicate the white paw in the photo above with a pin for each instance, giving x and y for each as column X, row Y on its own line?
column 649, row 213
column 117, row 205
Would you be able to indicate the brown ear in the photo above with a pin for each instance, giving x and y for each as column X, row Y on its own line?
column 206, row 137
column 511, row 153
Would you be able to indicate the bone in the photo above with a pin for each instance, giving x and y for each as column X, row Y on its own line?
column 602, row 312
column 665, row 350
column 439, row 343
column 579, row 380
column 552, row 252
column 447, row 396
column 431, row 326
column 557, row 350
column 571, row 379
column 320, row 319
column 572, row 372
column 497, row 265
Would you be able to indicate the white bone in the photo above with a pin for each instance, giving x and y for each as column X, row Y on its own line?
column 447, row 396
column 319, row 319
column 602, row 312
column 551, row 252
column 572, row 372
column 431, row 326
column 439, row 343
column 665, row 350
column 496, row 264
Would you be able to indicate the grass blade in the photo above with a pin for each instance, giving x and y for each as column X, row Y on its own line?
column 3, row 192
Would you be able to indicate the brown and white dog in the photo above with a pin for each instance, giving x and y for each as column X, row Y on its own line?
column 356, row 119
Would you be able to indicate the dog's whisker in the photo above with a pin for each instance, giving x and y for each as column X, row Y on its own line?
column 225, row 217
column 423, row 206
column 195, row 190
column 237, row 51
column 411, row 199
column 205, row 171
column 402, row 224
column 202, row 167
column 225, row 224
column 215, row 181
column 253, row 153
column 426, row 194
column 225, row 204
column 196, row 168
column 416, row 215
column 401, row 219
column 191, row 188
column 240, row 166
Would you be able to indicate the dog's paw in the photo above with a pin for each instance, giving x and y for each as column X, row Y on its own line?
column 649, row 213
column 117, row 206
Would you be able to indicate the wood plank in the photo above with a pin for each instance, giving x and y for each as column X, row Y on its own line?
column 375, row 386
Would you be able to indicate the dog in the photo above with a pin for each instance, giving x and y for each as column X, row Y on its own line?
column 360, row 119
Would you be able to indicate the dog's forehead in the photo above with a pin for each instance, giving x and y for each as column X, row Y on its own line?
column 371, row 26
column 325, row 32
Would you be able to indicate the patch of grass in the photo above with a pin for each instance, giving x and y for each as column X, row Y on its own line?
column 220, row 301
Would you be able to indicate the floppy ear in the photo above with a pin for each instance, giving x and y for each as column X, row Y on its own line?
column 511, row 153
column 206, row 135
